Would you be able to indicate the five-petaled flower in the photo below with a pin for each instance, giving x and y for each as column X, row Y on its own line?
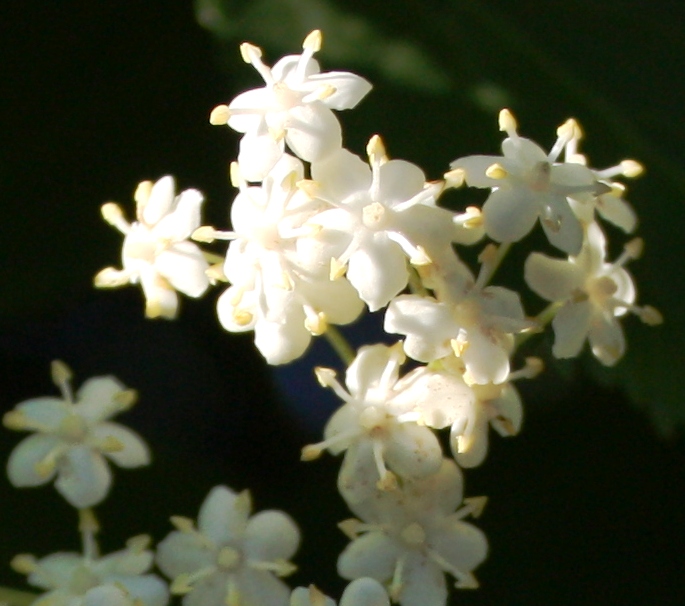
column 156, row 250
column 230, row 557
column 73, row 438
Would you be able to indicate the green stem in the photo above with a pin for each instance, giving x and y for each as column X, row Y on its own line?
column 542, row 319
column 340, row 345
column 14, row 597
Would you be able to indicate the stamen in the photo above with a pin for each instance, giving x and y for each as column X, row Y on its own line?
column 327, row 378
column 375, row 149
column 465, row 580
column 280, row 567
column 455, row 177
column 315, row 323
column 24, row 563
column 112, row 213
column 220, row 115
column 321, row 93
column 388, row 480
column 61, row 377
column 564, row 135
column 496, row 171
column 236, row 178
column 507, row 123
column 471, row 218
column 534, row 366
column 110, row 277
column 650, row 316
column 142, row 193
column 396, row 585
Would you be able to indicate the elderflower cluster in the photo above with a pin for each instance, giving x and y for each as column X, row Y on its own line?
column 318, row 235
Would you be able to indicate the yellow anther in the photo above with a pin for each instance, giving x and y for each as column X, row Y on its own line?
column 337, row 270
column 250, row 52
column 634, row 248
column 375, row 149
column 310, row 452
column 313, row 41
column 111, row 444
column 388, row 482
column 507, row 122
column 139, row 543
column 181, row 584
column 220, row 115
column 112, row 213
column 316, row 325
column 183, row 524
column 631, row 168
column 24, row 563
column 236, row 178
column 15, row 420
column 143, row 191
column 60, row 372
column 204, row 233
column 316, row 597
column 350, row 527
column 534, row 366
column 325, row 376
column 651, row 316
column 242, row 317
column 455, row 177
column 496, row 171
column 126, row 398
column 567, row 129
column 474, row 217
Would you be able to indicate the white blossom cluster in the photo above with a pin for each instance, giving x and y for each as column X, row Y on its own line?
column 318, row 234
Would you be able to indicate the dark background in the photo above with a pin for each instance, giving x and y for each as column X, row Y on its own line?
column 586, row 506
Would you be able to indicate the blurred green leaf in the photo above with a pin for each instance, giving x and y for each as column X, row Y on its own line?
column 351, row 39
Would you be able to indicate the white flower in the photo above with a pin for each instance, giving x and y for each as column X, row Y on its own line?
column 528, row 184
column 73, row 438
column 277, row 292
column 477, row 327
column 593, row 294
column 156, row 250
column 411, row 536
column 361, row 592
column 384, row 215
column 117, row 579
column 230, row 558
column 377, row 424
column 294, row 107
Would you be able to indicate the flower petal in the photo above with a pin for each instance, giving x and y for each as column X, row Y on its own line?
column 313, row 131
column 571, row 325
column 83, row 478
column 370, row 555
column 134, row 451
column 271, row 535
column 509, row 214
column 552, row 279
column 21, row 467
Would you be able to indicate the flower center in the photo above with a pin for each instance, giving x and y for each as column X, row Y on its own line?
column 413, row 535
column 228, row 558
column 601, row 289
column 286, row 98
column 374, row 215
column 372, row 417
column 538, row 177
column 73, row 428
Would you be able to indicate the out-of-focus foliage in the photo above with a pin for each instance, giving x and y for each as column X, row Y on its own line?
column 447, row 68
